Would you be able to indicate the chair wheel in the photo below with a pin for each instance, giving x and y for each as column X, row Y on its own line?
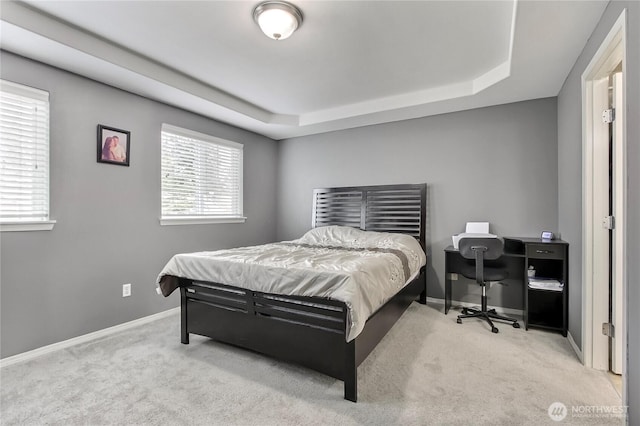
column 494, row 330
column 459, row 321
column 516, row 325
column 464, row 311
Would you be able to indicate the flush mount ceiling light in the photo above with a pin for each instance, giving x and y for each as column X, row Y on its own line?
column 277, row 19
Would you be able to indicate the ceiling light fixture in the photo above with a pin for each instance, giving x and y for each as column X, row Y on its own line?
column 277, row 19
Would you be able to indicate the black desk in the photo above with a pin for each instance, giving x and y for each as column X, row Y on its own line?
column 542, row 308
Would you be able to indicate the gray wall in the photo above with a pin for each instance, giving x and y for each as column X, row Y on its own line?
column 496, row 164
column 570, row 184
column 68, row 282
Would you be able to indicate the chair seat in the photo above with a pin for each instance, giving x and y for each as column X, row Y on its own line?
column 490, row 274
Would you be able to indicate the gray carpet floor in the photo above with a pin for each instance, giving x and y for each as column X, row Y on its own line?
column 427, row 371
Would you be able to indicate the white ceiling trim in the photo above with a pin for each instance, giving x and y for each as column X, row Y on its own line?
column 413, row 99
column 422, row 97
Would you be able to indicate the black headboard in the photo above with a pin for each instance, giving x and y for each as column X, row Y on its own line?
column 382, row 208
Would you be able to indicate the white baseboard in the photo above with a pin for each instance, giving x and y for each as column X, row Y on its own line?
column 26, row 356
column 575, row 347
column 459, row 304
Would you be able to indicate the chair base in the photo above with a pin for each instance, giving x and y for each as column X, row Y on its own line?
column 486, row 315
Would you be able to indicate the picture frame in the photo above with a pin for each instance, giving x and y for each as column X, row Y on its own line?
column 113, row 145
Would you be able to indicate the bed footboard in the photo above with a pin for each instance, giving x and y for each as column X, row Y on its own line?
column 307, row 331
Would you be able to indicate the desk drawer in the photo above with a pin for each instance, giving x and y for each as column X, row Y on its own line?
column 545, row 251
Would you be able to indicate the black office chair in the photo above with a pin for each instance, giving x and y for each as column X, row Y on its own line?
column 480, row 250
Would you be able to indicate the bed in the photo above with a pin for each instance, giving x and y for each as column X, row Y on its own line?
column 325, row 331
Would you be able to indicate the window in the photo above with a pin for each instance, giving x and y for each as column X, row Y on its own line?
column 201, row 178
column 24, row 158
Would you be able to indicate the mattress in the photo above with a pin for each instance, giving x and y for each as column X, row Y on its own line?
column 363, row 269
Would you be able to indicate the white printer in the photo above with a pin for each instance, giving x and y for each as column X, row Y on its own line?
column 473, row 230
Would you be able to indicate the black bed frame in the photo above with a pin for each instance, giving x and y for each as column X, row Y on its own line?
column 311, row 331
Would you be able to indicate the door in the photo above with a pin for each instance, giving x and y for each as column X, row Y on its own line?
column 617, row 191
column 608, row 239
column 601, row 265
column 604, row 271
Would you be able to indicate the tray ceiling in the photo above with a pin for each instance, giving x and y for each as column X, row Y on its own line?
column 350, row 64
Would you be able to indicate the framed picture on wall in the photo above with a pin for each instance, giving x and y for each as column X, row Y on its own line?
column 113, row 145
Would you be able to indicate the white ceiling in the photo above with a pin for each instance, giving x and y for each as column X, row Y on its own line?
column 351, row 63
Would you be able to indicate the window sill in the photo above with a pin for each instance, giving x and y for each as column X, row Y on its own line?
column 200, row 220
column 21, row 226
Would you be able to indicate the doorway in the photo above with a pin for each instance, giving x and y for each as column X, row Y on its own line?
column 604, row 206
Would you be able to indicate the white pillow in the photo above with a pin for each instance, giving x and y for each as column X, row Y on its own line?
column 346, row 236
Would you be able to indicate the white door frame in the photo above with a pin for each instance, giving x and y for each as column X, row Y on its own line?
column 595, row 346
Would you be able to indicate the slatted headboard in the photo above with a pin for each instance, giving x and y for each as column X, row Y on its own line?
column 382, row 208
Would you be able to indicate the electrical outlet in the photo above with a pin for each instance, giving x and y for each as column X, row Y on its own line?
column 126, row 290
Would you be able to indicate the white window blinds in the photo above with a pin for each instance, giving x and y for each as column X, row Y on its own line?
column 24, row 154
column 201, row 177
